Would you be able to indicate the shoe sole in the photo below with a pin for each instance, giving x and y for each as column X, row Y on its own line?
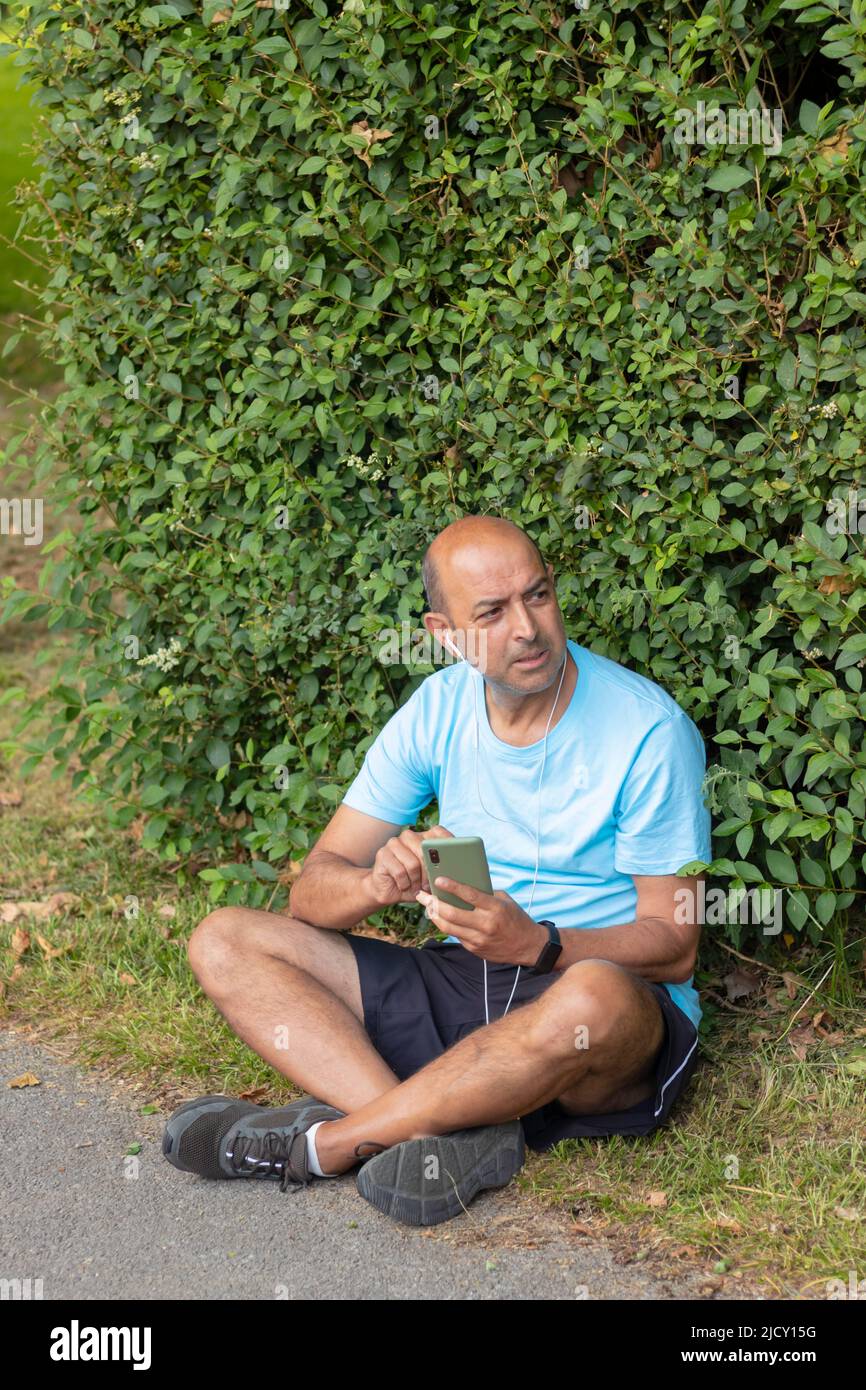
column 394, row 1180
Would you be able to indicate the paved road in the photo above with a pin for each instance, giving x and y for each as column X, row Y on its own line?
column 70, row 1216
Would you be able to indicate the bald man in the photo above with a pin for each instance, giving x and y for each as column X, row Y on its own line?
column 561, row 1005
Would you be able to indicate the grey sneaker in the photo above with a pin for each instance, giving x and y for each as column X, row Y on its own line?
column 222, row 1137
column 422, row 1182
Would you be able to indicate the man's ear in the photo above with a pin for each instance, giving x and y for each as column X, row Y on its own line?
column 438, row 626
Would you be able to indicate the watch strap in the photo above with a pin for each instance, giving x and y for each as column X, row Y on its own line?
column 551, row 951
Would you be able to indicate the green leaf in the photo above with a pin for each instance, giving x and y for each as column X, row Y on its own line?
column 780, row 866
column 751, row 442
column 729, row 176
column 218, row 753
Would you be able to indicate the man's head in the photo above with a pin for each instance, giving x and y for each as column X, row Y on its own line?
column 487, row 583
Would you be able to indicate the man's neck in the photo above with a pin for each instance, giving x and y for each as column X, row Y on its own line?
column 522, row 719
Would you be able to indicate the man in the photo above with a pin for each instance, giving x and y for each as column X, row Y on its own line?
column 432, row 1066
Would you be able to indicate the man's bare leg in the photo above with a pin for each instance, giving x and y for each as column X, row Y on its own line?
column 519, row 1062
column 310, row 1028
column 306, row 1021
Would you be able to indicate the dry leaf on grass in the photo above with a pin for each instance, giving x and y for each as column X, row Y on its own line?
column 801, row 1039
column 18, row 970
column 51, row 952
column 11, row 911
column 255, row 1094
column 20, row 942
column 740, row 983
column 26, row 1079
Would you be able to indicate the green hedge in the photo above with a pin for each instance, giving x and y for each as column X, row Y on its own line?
column 332, row 277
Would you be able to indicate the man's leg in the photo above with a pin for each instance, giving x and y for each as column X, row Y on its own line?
column 292, row 992
column 591, row 1038
column 307, row 1022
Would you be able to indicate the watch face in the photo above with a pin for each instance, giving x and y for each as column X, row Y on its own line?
column 548, row 957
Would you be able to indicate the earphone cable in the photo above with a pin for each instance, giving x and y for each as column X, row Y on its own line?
column 511, row 823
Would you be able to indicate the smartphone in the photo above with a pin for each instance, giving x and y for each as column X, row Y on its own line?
column 462, row 859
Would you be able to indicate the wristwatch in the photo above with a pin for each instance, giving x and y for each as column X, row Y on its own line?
column 551, row 951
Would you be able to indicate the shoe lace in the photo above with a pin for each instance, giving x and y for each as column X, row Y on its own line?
column 270, row 1152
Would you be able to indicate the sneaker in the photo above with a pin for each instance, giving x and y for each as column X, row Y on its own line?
column 404, row 1184
column 221, row 1137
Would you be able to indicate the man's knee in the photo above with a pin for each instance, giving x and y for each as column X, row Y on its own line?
column 227, row 934
column 214, row 943
column 594, row 1005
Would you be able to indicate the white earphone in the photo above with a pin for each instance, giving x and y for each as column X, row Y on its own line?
column 447, row 640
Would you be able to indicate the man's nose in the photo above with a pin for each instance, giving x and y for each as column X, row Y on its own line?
column 524, row 627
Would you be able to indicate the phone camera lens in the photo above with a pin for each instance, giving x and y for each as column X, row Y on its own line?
column 434, row 856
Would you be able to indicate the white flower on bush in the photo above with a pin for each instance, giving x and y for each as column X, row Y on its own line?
column 367, row 469
column 165, row 658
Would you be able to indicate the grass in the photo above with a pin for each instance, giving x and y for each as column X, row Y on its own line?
column 19, row 257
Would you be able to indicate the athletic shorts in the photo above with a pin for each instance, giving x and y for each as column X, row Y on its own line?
column 419, row 1000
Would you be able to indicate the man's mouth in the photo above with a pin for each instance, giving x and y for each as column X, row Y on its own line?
column 530, row 661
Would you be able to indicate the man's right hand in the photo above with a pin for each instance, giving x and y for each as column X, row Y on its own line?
column 398, row 871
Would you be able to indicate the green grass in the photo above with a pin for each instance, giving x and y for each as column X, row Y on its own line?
column 18, row 258
column 18, row 115
column 761, row 1166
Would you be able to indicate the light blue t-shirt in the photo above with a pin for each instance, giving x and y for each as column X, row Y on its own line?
column 621, row 792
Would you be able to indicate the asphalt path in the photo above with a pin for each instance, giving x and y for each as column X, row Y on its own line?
column 92, row 1221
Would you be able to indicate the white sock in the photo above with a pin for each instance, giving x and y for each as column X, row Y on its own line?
column 312, row 1156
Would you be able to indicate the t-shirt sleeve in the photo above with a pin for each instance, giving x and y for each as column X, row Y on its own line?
column 395, row 782
column 661, row 820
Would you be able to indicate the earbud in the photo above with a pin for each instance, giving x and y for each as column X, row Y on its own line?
column 446, row 638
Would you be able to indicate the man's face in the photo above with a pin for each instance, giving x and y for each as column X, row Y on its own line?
column 504, row 610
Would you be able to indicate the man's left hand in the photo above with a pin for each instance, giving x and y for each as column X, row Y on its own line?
column 497, row 929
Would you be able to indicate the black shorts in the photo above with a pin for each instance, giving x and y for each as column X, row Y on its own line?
column 418, row 1000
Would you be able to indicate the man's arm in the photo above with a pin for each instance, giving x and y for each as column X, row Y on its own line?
column 658, row 944
column 358, row 865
